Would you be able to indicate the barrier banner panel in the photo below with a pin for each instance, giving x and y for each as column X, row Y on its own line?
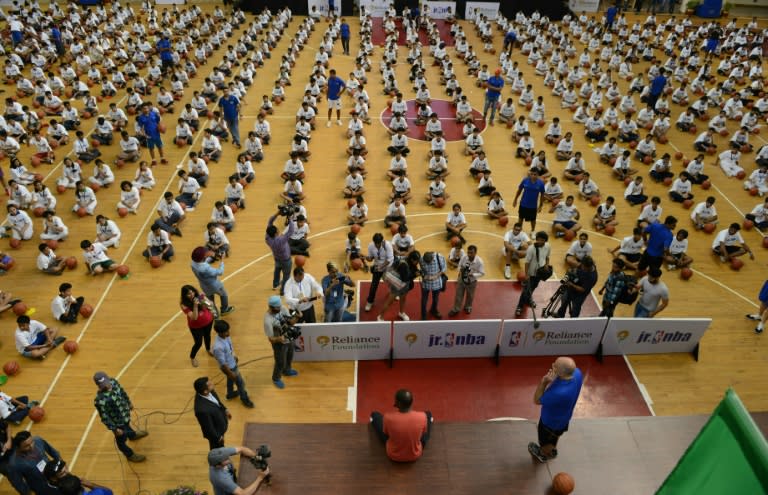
column 554, row 337
column 322, row 6
column 488, row 9
column 579, row 6
column 445, row 339
column 440, row 10
column 653, row 335
column 375, row 8
column 343, row 341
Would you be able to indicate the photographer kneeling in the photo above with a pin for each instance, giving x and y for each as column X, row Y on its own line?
column 578, row 283
column 221, row 472
column 280, row 329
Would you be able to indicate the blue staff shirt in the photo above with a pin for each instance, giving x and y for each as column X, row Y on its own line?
column 659, row 240
column 335, row 87
column 558, row 401
column 149, row 123
column 497, row 81
column 229, row 106
column 531, row 191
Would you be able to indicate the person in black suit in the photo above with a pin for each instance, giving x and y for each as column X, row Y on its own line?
column 210, row 412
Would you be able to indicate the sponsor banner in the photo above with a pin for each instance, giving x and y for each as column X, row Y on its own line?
column 375, row 8
column 488, row 9
column 553, row 337
column 343, row 341
column 158, row 2
column 445, row 339
column 440, row 10
column 579, row 6
column 322, row 6
column 653, row 335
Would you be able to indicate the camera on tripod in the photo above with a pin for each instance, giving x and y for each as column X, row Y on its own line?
column 259, row 461
column 571, row 276
column 288, row 209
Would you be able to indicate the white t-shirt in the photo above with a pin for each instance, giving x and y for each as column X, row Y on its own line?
column 24, row 339
column 728, row 239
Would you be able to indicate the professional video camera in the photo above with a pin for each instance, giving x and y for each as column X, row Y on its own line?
column 260, row 460
column 571, row 276
column 466, row 274
column 288, row 209
column 287, row 328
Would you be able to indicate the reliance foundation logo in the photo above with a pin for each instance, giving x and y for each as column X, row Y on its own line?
column 561, row 337
column 348, row 343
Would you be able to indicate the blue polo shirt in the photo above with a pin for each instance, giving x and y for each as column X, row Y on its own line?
column 149, row 124
column 497, row 81
column 228, row 106
column 531, row 191
column 335, row 87
column 657, row 85
column 659, row 239
column 558, row 401
column 344, row 31
column 164, row 47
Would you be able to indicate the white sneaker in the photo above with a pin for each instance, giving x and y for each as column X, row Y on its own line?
column 671, row 267
column 328, row 124
column 338, row 122
column 368, row 306
column 403, row 316
column 507, row 272
column 723, row 259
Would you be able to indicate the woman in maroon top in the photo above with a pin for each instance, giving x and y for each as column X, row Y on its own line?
column 197, row 307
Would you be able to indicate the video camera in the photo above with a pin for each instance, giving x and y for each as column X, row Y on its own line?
column 287, row 329
column 571, row 276
column 288, row 209
column 259, row 461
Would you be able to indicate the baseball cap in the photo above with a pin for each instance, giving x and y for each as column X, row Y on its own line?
column 274, row 302
column 220, row 454
column 101, row 379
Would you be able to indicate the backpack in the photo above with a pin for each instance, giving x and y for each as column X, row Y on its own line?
column 628, row 294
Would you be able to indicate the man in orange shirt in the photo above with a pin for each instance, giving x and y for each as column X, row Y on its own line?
column 405, row 432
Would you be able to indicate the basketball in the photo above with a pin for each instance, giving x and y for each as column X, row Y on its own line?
column 35, row 161
column 181, row 142
column 393, row 228
column 120, row 163
column 300, row 260
column 123, row 270
column 594, row 200
column 52, row 243
column 95, row 143
column 38, row 212
column 627, row 180
column 11, row 368
column 686, row 161
column 54, row 144
column 724, row 132
column 563, row 484
column 668, row 181
column 609, row 229
column 736, row 264
column 161, row 127
column 503, row 221
column 709, row 228
column 569, row 235
column 234, row 207
column 155, row 261
column 745, row 148
column 687, row 203
column 686, row 273
column 612, row 161
column 692, row 129
column 679, row 155
column 756, row 130
column 94, row 186
column 86, row 310
column 741, row 174
column 663, row 139
column 356, row 264
column 36, row 414
column 61, row 188
column 439, row 202
column 647, row 159
column 765, row 242
column 633, row 144
column 711, row 150
column 14, row 243
column 131, row 110
column 70, row 347
column 528, row 160
column 81, row 212
column 355, row 228
column 123, row 212
column 521, row 276
column 455, row 241
column 71, row 262
column 86, row 115
column 753, row 191
column 748, row 224
column 706, row 184
column 528, row 106
column 351, row 202
column 19, row 308
column 541, row 123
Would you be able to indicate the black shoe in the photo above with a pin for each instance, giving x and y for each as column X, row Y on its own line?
column 177, row 232
column 232, row 395
column 248, row 403
column 452, row 313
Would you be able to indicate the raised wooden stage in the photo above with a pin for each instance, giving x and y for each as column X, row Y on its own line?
column 627, row 456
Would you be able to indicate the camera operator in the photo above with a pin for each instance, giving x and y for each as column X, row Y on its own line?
column 301, row 291
column 278, row 327
column 221, row 471
column 578, row 283
column 281, row 249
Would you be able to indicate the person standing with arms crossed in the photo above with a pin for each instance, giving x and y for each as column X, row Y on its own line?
column 557, row 394
column 532, row 189
column 281, row 252
column 492, row 94
column 149, row 122
column 336, row 87
column 230, row 107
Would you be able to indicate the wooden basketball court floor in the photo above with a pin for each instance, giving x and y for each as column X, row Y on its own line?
column 136, row 332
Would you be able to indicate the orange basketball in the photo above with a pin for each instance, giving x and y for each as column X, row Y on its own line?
column 455, row 241
column 648, row 126
column 711, row 150
column 38, row 212
column 86, row 310
column 131, row 110
column 234, row 207
column 756, row 130
column 627, row 180
column 14, row 243
column 123, row 270
column 686, row 161
column 741, row 174
column 95, row 143
column 528, row 160
column 612, row 160
column 521, row 276
column 748, row 224
column 439, row 202
column 753, row 191
column 393, row 228
column 633, row 144
column 120, row 163
column 647, row 159
column 679, row 155
column 663, row 139
column 569, row 235
column 52, row 243
column 736, row 264
column 181, row 142
column 667, row 181
column 765, row 242
column 70, row 347
column 161, row 127
column 541, row 123
column 563, row 484
column 299, row 260
column 594, row 200
column 36, row 161
column 19, row 308
column 54, row 144
column 356, row 264
column 609, row 229
column 686, row 273
column 355, row 228
column 724, row 132
column 11, row 368
column 71, row 262
column 528, row 106
column 687, row 203
column 36, row 414
column 706, row 184
column 61, row 188
column 155, row 261
column 745, row 148
column 503, row 221
column 692, row 129
column 351, row 202
column 123, row 212
column 709, row 228
column 81, row 212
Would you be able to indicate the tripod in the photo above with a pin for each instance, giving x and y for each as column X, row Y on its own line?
column 555, row 303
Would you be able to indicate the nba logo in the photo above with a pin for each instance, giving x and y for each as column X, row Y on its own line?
column 658, row 337
column 514, row 339
column 298, row 344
